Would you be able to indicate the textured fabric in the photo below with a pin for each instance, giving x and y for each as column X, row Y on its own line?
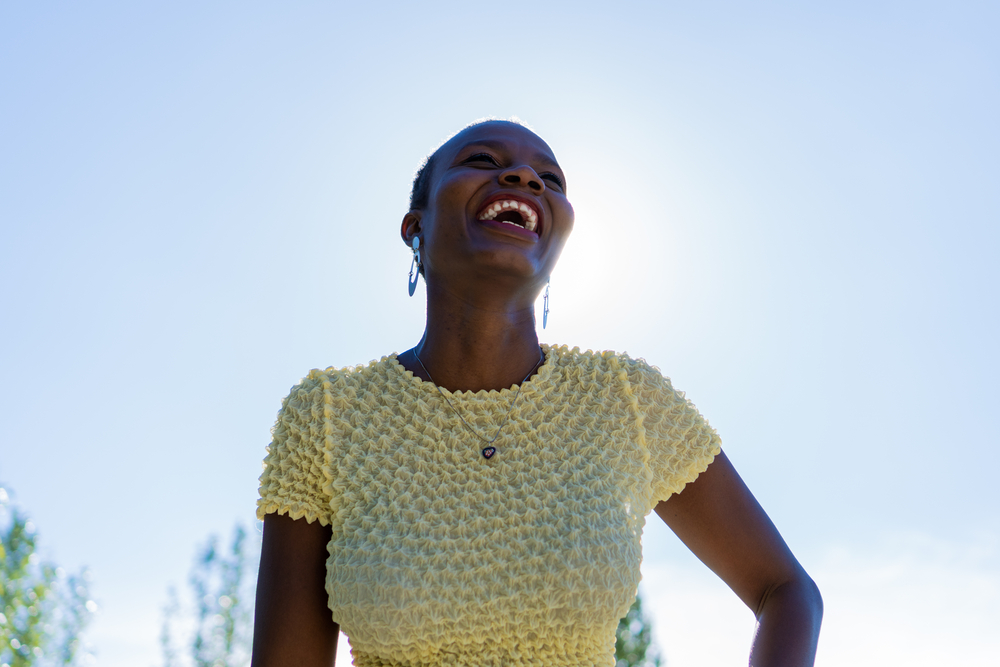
column 442, row 557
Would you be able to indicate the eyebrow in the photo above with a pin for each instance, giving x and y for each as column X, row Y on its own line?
column 544, row 158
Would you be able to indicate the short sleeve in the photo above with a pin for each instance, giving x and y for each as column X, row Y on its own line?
column 294, row 481
column 681, row 443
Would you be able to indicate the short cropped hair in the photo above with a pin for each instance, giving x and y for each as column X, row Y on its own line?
column 421, row 191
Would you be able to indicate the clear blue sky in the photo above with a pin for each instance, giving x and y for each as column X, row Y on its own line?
column 791, row 208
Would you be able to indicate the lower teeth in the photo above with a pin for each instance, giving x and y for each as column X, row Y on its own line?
column 523, row 225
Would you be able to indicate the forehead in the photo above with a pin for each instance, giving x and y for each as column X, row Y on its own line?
column 500, row 135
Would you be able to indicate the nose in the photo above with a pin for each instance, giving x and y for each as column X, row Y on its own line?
column 522, row 175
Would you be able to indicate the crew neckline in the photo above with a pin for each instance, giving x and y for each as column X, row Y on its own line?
column 539, row 376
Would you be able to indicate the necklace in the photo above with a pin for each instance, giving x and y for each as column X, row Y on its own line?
column 489, row 450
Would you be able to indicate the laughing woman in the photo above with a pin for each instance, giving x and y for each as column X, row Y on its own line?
column 479, row 499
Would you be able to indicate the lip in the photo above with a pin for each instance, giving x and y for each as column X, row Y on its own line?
column 521, row 199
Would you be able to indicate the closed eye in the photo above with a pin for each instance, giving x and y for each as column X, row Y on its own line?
column 555, row 179
column 486, row 157
column 483, row 157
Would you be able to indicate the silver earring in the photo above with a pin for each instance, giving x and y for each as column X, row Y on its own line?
column 415, row 265
column 545, row 303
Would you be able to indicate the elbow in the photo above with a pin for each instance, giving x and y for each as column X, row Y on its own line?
column 815, row 598
column 809, row 602
column 789, row 625
column 811, row 608
column 800, row 594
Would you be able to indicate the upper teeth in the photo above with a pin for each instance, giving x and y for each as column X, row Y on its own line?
column 498, row 207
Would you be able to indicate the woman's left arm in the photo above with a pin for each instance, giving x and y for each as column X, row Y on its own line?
column 718, row 518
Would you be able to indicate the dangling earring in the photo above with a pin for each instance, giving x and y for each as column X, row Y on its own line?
column 545, row 303
column 415, row 264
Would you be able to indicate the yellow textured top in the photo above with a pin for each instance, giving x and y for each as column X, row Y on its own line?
column 442, row 557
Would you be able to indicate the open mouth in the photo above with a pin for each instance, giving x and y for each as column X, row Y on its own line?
column 511, row 212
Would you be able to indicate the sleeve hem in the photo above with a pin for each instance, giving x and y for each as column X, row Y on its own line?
column 292, row 512
column 693, row 473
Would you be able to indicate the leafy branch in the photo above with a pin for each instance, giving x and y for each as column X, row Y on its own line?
column 43, row 611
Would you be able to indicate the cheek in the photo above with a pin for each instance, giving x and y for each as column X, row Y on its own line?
column 444, row 207
column 454, row 189
column 566, row 216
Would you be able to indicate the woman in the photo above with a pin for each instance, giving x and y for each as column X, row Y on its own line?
column 479, row 499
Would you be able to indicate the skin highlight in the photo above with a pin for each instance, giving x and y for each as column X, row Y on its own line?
column 481, row 282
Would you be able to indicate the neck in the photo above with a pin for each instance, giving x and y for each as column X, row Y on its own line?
column 473, row 346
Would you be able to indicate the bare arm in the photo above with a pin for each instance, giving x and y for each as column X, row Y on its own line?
column 718, row 518
column 292, row 624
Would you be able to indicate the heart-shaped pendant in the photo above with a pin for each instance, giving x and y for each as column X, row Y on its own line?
column 489, row 452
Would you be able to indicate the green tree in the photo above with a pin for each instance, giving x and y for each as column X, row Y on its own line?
column 633, row 639
column 42, row 610
column 221, row 587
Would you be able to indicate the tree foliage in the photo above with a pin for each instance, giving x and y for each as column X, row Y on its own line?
column 634, row 641
column 220, row 617
column 43, row 610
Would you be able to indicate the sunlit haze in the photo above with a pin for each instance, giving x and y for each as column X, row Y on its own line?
column 792, row 209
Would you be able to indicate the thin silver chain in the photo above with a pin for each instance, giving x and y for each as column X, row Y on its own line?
column 510, row 408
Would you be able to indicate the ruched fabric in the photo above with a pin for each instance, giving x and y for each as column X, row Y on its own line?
column 440, row 556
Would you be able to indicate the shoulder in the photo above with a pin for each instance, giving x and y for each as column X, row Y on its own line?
column 337, row 388
column 567, row 357
column 338, row 379
column 645, row 385
column 635, row 370
column 614, row 374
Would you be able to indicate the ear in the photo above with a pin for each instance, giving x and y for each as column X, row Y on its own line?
column 411, row 227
